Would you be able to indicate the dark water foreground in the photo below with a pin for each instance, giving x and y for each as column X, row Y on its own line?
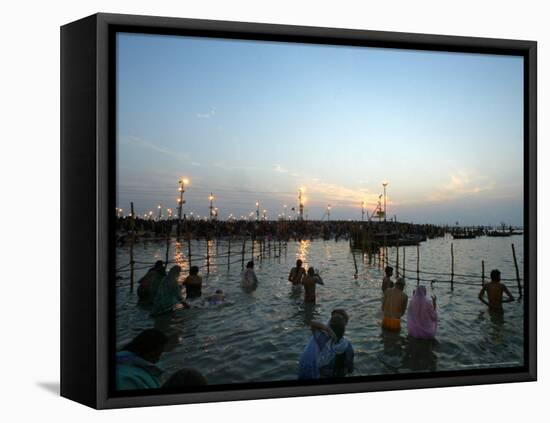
column 259, row 336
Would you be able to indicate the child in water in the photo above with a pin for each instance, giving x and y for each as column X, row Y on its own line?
column 328, row 353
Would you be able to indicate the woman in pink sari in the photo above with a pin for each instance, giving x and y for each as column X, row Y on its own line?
column 421, row 315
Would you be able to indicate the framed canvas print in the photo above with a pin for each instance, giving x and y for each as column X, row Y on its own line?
column 255, row 211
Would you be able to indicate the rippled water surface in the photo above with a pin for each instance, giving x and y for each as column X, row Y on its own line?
column 259, row 336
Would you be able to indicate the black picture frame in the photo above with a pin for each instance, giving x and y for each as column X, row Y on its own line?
column 87, row 196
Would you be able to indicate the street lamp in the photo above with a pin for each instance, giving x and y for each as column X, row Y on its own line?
column 211, row 198
column 181, row 188
column 385, row 184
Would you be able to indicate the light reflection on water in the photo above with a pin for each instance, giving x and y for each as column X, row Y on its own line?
column 259, row 336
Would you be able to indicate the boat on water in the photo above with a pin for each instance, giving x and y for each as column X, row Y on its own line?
column 499, row 233
column 463, row 235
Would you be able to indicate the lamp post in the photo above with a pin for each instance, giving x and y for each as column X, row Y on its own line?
column 328, row 213
column 385, row 184
column 362, row 211
column 257, row 211
column 211, row 198
column 181, row 202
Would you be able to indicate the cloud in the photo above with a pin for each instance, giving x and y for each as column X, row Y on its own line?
column 462, row 183
column 137, row 141
column 279, row 168
column 208, row 114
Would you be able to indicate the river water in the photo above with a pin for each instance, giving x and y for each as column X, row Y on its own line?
column 259, row 336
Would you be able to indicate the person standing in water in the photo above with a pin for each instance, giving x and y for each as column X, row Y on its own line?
column 495, row 291
column 421, row 315
column 149, row 283
column 328, row 353
column 310, row 282
column 387, row 282
column 168, row 297
column 394, row 306
column 193, row 283
column 297, row 273
column 249, row 281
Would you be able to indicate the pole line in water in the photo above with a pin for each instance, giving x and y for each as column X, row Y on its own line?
column 132, row 239
column 482, row 273
column 452, row 267
column 517, row 270
column 417, row 264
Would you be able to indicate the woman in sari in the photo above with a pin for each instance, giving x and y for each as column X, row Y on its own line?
column 421, row 316
column 168, row 293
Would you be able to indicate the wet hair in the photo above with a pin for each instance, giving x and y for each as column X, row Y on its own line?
column 495, row 275
column 388, row 269
column 219, row 291
column 400, row 283
column 338, row 325
column 340, row 312
column 185, row 377
column 194, row 270
column 159, row 264
column 250, row 264
column 299, row 263
column 147, row 343
column 311, row 271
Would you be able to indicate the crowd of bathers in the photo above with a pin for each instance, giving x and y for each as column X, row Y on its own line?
column 328, row 354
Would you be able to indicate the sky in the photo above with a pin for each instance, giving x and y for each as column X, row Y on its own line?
column 255, row 121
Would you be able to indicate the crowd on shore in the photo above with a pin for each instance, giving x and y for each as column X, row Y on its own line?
column 328, row 354
column 283, row 230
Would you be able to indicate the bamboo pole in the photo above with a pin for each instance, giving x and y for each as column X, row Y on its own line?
column 228, row 253
column 167, row 249
column 252, row 249
column 397, row 262
column 242, row 259
column 452, row 267
column 417, row 264
column 517, row 271
column 132, row 240
column 189, row 250
column 207, row 257
column 403, row 262
column 482, row 272
column 354, row 262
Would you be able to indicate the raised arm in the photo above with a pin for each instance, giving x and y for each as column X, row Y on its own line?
column 322, row 327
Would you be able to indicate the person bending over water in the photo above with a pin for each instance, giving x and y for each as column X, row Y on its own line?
column 310, row 282
column 136, row 362
column 328, row 353
column 495, row 291
column 394, row 306
column 149, row 283
column 297, row 273
column 168, row 297
column 193, row 283
column 248, row 278
column 387, row 282
column 421, row 315
column 217, row 299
